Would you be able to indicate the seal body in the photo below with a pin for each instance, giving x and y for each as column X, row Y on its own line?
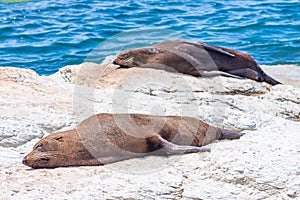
column 107, row 138
column 195, row 58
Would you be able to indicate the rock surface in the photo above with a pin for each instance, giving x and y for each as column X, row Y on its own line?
column 263, row 164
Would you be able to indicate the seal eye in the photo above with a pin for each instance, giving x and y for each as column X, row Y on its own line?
column 39, row 147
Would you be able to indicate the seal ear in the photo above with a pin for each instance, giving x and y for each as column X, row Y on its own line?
column 176, row 149
column 59, row 138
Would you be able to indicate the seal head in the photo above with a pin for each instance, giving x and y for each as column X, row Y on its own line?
column 135, row 57
column 59, row 149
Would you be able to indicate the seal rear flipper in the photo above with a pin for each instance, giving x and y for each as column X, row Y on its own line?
column 270, row 80
column 227, row 134
column 248, row 73
column 254, row 75
column 178, row 149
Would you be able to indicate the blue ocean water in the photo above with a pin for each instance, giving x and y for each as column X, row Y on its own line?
column 47, row 35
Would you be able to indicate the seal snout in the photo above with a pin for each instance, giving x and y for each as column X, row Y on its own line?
column 116, row 61
column 25, row 161
column 120, row 62
column 124, row 60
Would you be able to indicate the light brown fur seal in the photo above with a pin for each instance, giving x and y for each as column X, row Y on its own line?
column 107, row 138
column 195, row 58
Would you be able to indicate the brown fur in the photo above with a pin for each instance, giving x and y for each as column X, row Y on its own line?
column 194, row 58
column 106, row 138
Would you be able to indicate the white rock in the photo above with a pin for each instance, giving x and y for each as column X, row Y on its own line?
column 263, row 164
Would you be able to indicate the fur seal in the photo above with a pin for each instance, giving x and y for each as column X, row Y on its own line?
column 106, row 138
column 195, row 58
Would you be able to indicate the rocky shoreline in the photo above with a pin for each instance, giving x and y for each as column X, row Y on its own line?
column 263, row 164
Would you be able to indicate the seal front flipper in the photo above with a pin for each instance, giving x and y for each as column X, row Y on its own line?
column 171, row 148
column 211, row 48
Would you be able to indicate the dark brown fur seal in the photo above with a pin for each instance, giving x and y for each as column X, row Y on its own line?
column 107, row 138
column 195, row 58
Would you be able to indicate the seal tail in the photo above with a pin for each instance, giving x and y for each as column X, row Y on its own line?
column 178, row 149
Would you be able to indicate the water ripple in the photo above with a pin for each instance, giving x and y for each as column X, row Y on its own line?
column 47, row 35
